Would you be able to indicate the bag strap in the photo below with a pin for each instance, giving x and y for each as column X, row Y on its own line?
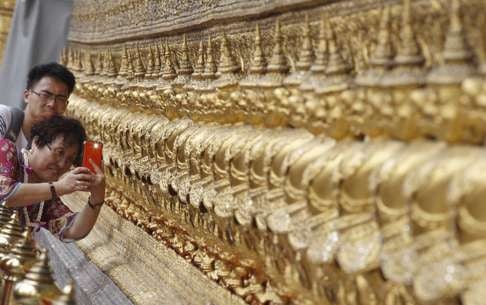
column 15, row 124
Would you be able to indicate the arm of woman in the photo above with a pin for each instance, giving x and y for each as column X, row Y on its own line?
column 10, row 170
column 86, row 218
column 29, row 193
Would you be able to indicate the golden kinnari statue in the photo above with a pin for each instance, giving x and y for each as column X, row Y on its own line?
column 319, row 152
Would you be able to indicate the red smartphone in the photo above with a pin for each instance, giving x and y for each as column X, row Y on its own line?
column 92, row 150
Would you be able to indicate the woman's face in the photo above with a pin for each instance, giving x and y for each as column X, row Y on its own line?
column 54, row 159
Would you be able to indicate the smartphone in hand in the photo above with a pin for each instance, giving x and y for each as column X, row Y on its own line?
column 92, row 150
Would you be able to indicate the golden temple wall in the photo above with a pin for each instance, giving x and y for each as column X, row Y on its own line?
column 6, row 11
column 296, row 152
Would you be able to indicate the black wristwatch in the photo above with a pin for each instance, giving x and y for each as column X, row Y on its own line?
column 94, row 205
column 53, row 190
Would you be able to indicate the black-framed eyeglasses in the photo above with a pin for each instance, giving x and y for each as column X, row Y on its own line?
column 46, row 96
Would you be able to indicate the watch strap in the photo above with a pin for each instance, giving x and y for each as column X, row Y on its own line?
column 53, row 191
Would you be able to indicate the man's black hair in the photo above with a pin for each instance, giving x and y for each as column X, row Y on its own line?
column 54, row 70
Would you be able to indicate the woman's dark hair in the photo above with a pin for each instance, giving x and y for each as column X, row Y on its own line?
column 71, row 130
column 54, row 70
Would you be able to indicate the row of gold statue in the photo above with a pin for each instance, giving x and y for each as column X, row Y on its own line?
column 404, row 94
column 284, row 216
column 26, row 276
column 6, row 11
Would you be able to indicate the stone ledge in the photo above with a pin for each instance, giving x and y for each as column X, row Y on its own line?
column 144, row 269
column 69, row 264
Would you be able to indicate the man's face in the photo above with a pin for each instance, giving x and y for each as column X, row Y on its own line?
column 46, row 98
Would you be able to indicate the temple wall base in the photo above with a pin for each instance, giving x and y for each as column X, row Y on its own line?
column 143, row 268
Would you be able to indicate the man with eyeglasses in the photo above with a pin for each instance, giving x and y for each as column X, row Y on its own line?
column 48, row 89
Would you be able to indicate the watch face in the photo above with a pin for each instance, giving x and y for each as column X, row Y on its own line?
column 53, row 190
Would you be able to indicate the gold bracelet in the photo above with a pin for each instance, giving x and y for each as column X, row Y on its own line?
column 94, row 206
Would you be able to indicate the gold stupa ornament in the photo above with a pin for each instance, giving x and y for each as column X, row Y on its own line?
column 318, row 68
column 168, row 72
column 210, row 65
column 38, row 283
column 305, row 57
column 381, row 60
column 139, row 68
column 458, row 57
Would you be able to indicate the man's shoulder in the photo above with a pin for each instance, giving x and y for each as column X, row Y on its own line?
column 5, row 119
column 11, row 120
column 5, row 109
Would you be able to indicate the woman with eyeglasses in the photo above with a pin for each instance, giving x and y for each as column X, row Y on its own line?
column 32, row 180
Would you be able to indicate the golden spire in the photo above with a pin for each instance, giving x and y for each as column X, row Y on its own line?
column 383, row 54
column 10, row 232
column 185, row 67
column 37, row 283
column 150, row 63
column 110, row 69
column 64, row 57
column 457, row 49
column 258, row 65
column 318, row 68
column 169, row 71
column 130, row 71
column 227, row 63
column 79, row 64
column 278, row 61
column 24, row 249
column 228, row 68
column 123, row 63
column 409, row 50
column 258, row 62
column 139, row 68
column 338, row 71
column 306, row 54
column 210, row 66
column 382, row 57
column 306, row 57
column 457, row 54
column 71, row 58
column 99, row 64
column 88, row 64
column 336, row 65
column 162, row 59
column 104, row 64
column 199, row 68
column 75, row 60
column 70, row 55
column 157, row 64
column 409, row 60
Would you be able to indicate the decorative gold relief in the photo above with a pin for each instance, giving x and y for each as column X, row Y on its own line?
column 316, row 156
